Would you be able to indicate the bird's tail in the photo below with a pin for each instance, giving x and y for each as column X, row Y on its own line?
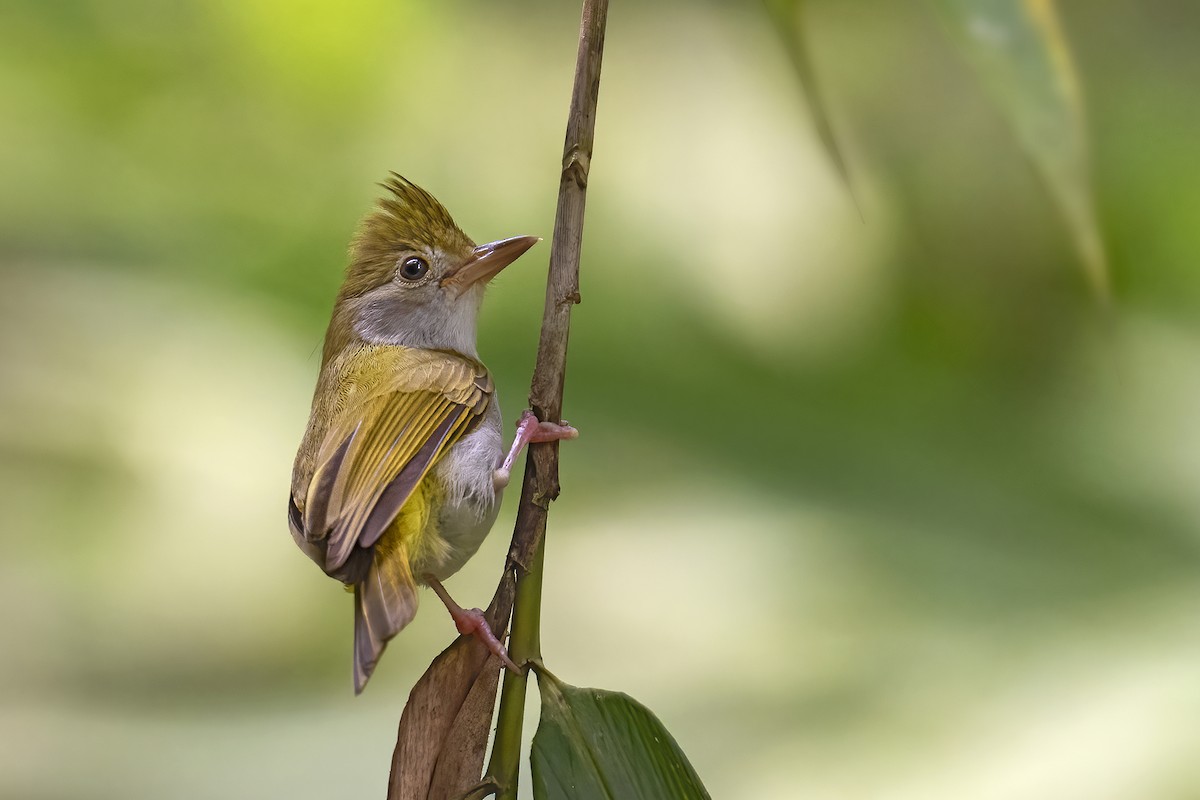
column 384, row 603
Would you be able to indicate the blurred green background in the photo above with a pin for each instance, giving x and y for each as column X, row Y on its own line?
column 876, row 507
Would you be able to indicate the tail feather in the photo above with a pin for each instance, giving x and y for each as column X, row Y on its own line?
column 384, row 602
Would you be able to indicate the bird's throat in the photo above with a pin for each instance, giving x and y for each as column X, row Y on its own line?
column 448, row 325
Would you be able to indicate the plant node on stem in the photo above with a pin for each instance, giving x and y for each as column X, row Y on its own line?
column 527, row 555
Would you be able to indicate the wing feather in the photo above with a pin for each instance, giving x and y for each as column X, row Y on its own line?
column 323, row 487
column 387, row 434
column 393, row 497
column 377, row 467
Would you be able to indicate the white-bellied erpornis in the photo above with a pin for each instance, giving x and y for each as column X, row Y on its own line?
column 399, row 475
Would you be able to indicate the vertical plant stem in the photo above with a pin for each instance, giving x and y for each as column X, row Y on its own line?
column 540, row 485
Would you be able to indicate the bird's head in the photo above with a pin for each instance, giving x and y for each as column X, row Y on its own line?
column 415, row 278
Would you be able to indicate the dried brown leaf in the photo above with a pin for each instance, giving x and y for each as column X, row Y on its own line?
column 443, row 733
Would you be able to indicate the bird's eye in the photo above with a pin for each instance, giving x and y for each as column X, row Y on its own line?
column 413, row 268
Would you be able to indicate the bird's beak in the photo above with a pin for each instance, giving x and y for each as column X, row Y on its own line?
column 487, row 260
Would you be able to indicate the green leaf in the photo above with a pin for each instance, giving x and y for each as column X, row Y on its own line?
column 598, row 745
column 1018, row 48
column 788, row 17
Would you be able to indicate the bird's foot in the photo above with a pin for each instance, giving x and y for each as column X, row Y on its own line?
column 544, row 431
column 471, row 621
column 530, row 429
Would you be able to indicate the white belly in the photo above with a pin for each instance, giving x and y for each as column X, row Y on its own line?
column 471, row 501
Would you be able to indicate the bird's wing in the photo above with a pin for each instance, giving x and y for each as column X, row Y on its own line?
column 391, row 427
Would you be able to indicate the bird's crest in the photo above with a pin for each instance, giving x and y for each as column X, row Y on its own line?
column 410, row 218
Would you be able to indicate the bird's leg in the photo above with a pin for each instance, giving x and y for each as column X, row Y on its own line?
column 529, row 429
column 473, row 622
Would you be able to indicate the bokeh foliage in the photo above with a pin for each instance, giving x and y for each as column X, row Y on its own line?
column 884, row 507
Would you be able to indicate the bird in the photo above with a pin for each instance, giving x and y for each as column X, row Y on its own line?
column 401, row 468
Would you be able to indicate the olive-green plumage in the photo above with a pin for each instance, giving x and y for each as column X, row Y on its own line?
column 393, row 480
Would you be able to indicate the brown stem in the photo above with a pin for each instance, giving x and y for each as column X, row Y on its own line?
column 540, row 486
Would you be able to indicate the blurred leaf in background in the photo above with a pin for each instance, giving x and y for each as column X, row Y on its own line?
column 920, row 528
column 788, row 17
column 1023, row 55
